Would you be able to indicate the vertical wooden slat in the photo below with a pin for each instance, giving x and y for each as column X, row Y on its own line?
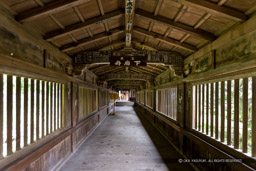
column 217, row 110
column 229, row 113
column 236, row 114
column 245, row 114
column 57, row 106
column 203, row 94
column 54, row 106
column 32, row 111
column 50, row 106
column 254, row 116
column 207, row 109
column 199, row 110
column 222, row 133
column 195, row 106
column 1, row 116
column 37, row 108
column 18, row 112
column 61, row 105
column 9, row 114
column 212, row 109
column 43, row 106
column 25, row 111
column 47, row 108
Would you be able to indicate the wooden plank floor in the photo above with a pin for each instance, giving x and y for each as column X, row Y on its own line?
column 125, row 142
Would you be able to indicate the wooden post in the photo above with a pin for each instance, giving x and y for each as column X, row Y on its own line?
column 254, row 116
column 222, row 135
column 1, row 116
column 236, row 113
column 25, row 112
column 43, row 111
column 229, row 113
column 245, row 114
column 217, row 110
column 18, row 112
column 9, row 114
column 212, row 109
column 32, row 111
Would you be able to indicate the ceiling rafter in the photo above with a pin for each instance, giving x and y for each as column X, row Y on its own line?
column 93, row 39
column 157, row 9
column 95, row 70
column 113, row 43
column 49, row 8
column 145, row 44
column 179, row 26
column 216, row 9
column 39, row 2
column 78, row 13
column 113, row 70
column 155, row 68
column 167, row 40
column 142, row 70
column 83, row 25
column 149, row 69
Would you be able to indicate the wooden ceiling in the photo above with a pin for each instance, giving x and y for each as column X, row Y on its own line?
column 183, row 26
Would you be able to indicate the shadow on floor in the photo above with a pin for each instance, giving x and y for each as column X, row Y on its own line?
column 168, row 153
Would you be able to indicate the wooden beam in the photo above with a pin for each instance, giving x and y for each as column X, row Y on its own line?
column 113, row 43
column 143, row 71
column 83, row 25
column 39, row 2
column 115, row 69
column 78, row 13
column 216, row 9
column 158, row 7
column 93, row 39
column 181, row 10
column 167, row 40
column 176, row 25
column 100, row 7
column 57, row 21
column 145, row 44
column 47, row 9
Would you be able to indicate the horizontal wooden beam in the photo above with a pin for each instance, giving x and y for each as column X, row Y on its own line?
column 156, row 57
column 88, row 40
column 126, row 76
column 149, row 46
column 216, row 9
column 166, row 40
column 179, row 26
column 49, row 8
column 113, row 43
column 83, row 25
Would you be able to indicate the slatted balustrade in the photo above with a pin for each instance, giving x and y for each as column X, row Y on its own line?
column 167, row 102
column 27, row 106
column 226, row 111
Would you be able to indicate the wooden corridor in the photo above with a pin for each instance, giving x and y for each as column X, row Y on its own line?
column 126, row 142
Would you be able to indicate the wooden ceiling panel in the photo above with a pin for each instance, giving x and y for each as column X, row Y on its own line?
column 111, row 5
column 191, row 16
column 103, row 42
column 67, row 17
column 138, row 36
column 88, row 46
column 89, row 9
column 212, row 26
column 64, row 40
column 194, row 40
column 142, row 22
column 81, row 34
column 97, row 28
column 165, row 46
column 176, row 34
column 117, row 22
column 45, row 24
column 148, row 5
column 240, row 5
column 152, row 41
column 117, row 37
column 159, row 28
column 181, row 51
column 21, row 5
column 166, row 12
